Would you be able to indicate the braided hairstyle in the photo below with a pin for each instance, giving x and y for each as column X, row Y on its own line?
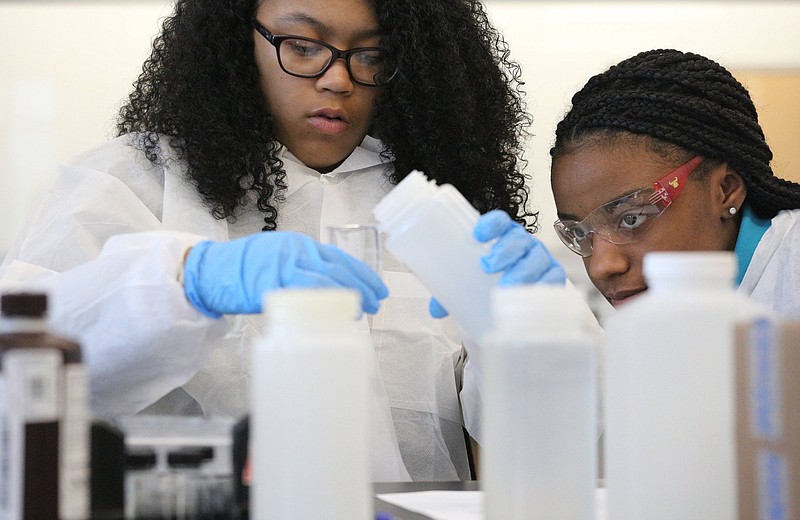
column 685, row 100
column 454, row 110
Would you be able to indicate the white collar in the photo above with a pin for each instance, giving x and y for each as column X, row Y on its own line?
column 366, row 155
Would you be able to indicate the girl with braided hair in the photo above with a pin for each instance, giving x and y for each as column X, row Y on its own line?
column 673, row 129
column 254, row 125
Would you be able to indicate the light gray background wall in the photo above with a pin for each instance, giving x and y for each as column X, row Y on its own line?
column 66, row 65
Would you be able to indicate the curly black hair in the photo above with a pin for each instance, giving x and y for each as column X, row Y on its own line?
column 686, row 100
column 455, row 110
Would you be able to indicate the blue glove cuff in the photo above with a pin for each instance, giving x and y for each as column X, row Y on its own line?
column 191, row 278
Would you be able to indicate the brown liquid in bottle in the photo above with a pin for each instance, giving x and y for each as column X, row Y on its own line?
column 42, row 379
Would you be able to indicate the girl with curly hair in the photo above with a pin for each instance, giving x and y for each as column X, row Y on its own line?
column 254, row 125
column 664, row 151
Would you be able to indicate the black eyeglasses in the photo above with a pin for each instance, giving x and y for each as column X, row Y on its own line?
column 309, row 58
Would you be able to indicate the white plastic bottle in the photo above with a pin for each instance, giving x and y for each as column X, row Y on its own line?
column 539, row 439
column 309, row 436
column 670, row 391
column 429, row 228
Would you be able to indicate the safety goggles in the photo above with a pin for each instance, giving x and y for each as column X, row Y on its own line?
column 625, row 219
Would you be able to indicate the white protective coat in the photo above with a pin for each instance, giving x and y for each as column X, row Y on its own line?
column 107, row 242
column 773, row 276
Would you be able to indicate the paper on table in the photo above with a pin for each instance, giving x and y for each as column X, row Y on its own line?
column 460, row 505
column 440, row 505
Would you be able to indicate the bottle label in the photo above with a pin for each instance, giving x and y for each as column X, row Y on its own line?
column 74, row 438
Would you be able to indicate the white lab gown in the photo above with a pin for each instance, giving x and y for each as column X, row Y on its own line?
column 773, row 276
column 107, row 242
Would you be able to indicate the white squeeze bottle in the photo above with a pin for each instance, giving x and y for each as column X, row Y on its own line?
column 309, row 432
column 429, row 228
column 539, row 439
column 669, row 392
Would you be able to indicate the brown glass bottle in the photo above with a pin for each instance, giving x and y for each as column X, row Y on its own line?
column 44, row 421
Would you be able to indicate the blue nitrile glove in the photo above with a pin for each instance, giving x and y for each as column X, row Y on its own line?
column 520, row 256
column 231, row 277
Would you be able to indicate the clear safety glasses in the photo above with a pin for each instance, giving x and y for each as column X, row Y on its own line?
column 309, row 58
column 625, row 219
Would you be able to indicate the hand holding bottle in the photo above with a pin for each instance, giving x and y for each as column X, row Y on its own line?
column 521, row 257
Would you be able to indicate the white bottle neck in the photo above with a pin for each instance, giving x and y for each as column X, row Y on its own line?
column 22, row 325
column 689, row 284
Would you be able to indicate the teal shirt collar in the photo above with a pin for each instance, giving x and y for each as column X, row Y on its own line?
column 751, row 230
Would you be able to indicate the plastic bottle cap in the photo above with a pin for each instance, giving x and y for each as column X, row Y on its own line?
column 32, row 305
column 720, row 265
column 321, row 304
column 538, row 303
column 403, row 198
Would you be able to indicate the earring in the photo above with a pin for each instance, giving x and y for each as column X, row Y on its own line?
column 732, row 211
